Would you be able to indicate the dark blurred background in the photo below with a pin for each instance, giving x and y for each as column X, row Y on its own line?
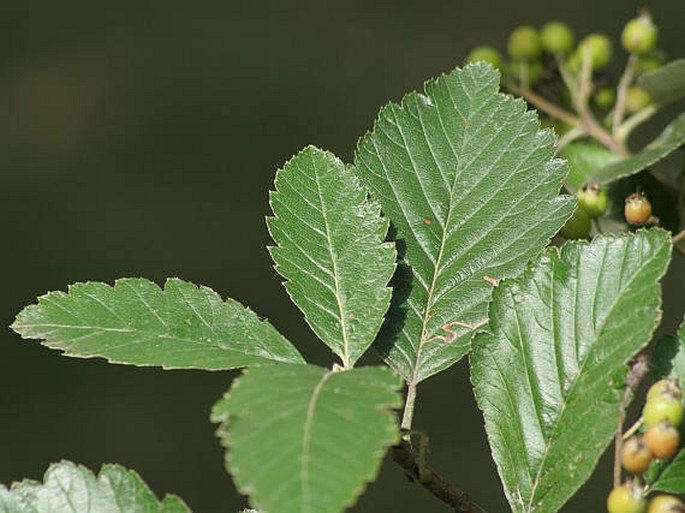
column 139, row 138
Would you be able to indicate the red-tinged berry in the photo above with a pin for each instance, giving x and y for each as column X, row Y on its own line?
column 597, row 48
column 626, row 498
column 663, row 440
column 635, row 455
column 638, row 209
column 557, row 37
column 578, row 226
column 486, row 54
column 662, row 409
column 592, row 199
column 640, row 35
column 524, row 43
column 666, row 504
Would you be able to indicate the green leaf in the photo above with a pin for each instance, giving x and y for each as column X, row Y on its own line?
column 666, row 84
column 70, row 488
column 669, row 140
column 545, row 374
column 135, row 322
column 672, row 478
column 331, row 251
column 584, row 160
column 469, row 182
column 303, row 439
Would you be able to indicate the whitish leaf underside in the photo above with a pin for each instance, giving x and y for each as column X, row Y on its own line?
column 544, row 375
column 70, row 488
column 330, row 249
column 302, row 439
column 135, row 322
column 469, row 182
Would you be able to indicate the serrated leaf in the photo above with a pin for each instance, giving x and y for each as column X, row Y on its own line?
column 672, row 478
column 544, row 374
column 469, row 182
column 666, row 84
column 135, row 322
column 670, row 139
column 331, row 252
column 303, row 439
column 584, row 160
column 70, row 488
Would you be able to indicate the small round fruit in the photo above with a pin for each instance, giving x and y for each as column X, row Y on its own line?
column 592, row 199
column 635, row 455
column 663, row 440
column 639, row 35
column 598, row 48
column 532, row 70
column 604, row 98
column 666, row 504
column 626, row 498
column 666, row 386
column 487, row 54
column 557, row 37
column 524, row 43
column 662, row 409
column 637, row 99
column 638, row 209
column 578, row 226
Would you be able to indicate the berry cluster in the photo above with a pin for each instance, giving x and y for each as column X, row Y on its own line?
column 661, row 415
column 570, row 83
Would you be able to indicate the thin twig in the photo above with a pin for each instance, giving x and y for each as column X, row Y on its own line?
column 623, row 132
column 408, row 414
column 569, row 137
column 678, row 237
column 544, row 105
column 443, row 490
column 622, row 93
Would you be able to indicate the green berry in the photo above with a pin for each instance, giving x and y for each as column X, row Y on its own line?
column 666, row 504
column 639, row 35
column 557, row 37
column 527, row 73
column 524, row 43
column 636, row 99
column 592, row 199
column 578, row 226
column 662, row 409
column 487, row 54
column 626, row 498
column 604, row 97
column 638, row 209
column 649, row 62
column 666, row 386
column 598, row 49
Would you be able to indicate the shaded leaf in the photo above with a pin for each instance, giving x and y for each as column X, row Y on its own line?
column 545, row 373
column 135, row 322
column 70, row 488
column 469, row 182
column 331, row 251
column 584, row 160
column 670, row 139
column 672, row 478
column 303, row 439
column 666, row 84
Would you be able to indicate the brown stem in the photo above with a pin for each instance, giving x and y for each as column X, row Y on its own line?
column 544, row 105
column 404, row 456
column 678, row 236
column 622, row 93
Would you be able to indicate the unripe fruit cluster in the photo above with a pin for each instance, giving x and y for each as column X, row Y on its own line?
column 662, row 413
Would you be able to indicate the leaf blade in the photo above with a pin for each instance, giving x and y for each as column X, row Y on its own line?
column 331, row 252
column 313, row 449
column 70, row 488
column 135, row 322
column 459, row 169
column 665, row 84
column 543, row 375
